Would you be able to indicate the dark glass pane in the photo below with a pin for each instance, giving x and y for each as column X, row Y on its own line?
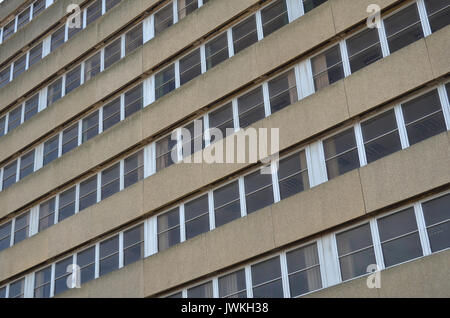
column 308, row 5
column 51, row 150
column 111, row 114
column 5, row 235
column 133, row 40
column 402, row 249
column 304, row 282
column 90, row 126
column 282, row 91
column 190, row 67
column 16, row 289
column 274, row 17
column 91, row 67
column 397, row 224
column 88, row 192
column 73, row 79
column 251, row 107
column 226, row 204
column 54, row 92
column 94, row 12
column 2, row 125
column 31, row 107
column 222, row 119
column 202, row 291
column 258, row 190
column 46, row 214
column 216, row 51
column 232, row 284
column 5, row 75
column 364, row 49
column 292, row 175
column 164, row 149
column 266, row 271
column 109, row 255
column 9, row 175
column 38, row 7
column 354, row 239
column 110, row 181
column 26, row 164
column 356, row 264
column 85, row 260
column 244, row 34
column 197, row 217
column 8, row 29
column 111, row 4
column 165, row 81
column 437, row 210
column 19, row 66
column 327, row 68
column 14, row 118
column 42, row 283
column 438, row 13
column 35, row 54
column 163, row 19
column 70, row 138
column 66, row 204
column 439, row 236
column 61, row 275
column 186, row 7
column 133, row 169
column 133, row 242
column 57, row 38
column 168, row 229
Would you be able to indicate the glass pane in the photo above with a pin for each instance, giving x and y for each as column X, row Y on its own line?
column 403, row 28
column 133, row 100
column 282, row 91
column 274, row 17
column 227, row 204
column 88, row 192
column 165, row 81
column 38, row 7
column 8, row 30
column 70, row 138
column 305, row 281
column 73, row 79
column 292, row 175
column 9, row 175
column 163, row 19
column 111, row 114
column 94, row 12
column 308, row 5
column 14, row 118
column 222, row 119
column 302, row 258
column 110, row 181
column 51, row 150
column 54, row 92
column 438, row 13
column 109, row 255
column 186, row 7
column 66, row 204
column 327, row 68
column 5, row 75
column 356, row 264
column 402, row 249
column 85, row 260
column 197, row 217
column 397, row 224
column 133, row 169
column 61, row 275
column 258, row 190
column 46, row 214
column 251, row 107
column 164, row 155
column 91, row 67
column 2, row 125
column 341, row 153
column 133, row 40
column 244, row 34
column 439, row 236
column 133, row 243
column 42, row 283
column 19, row 66
column 35, row 54
column 202, row 291
column 354, row 239
column 90, row 126
column 57, row 38
column 31, row 107
column 21, row 227
column 437, row 210
column 5, row 235
column 111, row 4
column 216, row 51
column 16, row 289
column 168, row 229
column 26, row 164
column 266, row 271
column 364, row 49
column 190, row 67
column 232, row 284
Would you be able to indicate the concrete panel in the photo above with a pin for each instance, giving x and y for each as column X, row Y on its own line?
column 7, row 7
column 330, row 204
column 347, row 13
column 438, row 45
column 73, row 231
column 385, row 79
column 80, row 160
column 424, row 277
column 406, row 173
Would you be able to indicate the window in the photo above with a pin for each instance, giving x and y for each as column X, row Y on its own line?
column 38, row 7
column 227, row 205
column 54, row 92
column 19, row 66
column 133, row 39
column 244, row 34
column 91, row 67
column 113, row 52
column 133, row 245
column 196, row 214
column 166, row 152
column 437, row 221
column 5, row 74
column 168, row 229
column 196, row 141
column 5, row 235
column 14, row 118
column 403, row 28
column 47, row 214
column 17, row 289
column 73, row 79
column 201, row 291
column 165, row 81
column 26, row 164
column 93, row 12
column 70, row 138
column 258, row 191
column 72, row 29
column 35, row 54
column 233, row 285
column 133, row 100
column 42, row 281
column 381, row 136
column 88, row 192
column 293, row 175
column 423, row 117
column 9, row 175
column 86, row 261
column 266, row 279
column 438, row 13
column 355, row 250
column 57, row 38
column 190, row 67
column 133, row 169
column 23, row 18
column 327, row 68
column 90, row 126
column 66, row 204
column 399, row 237
column 274, row 17
column 111, row 4
column 216, row 51
column 222, row 119
column 31, row 107
column 251, row 107
column 2, row 125
column 341, row 153
column 111, row 114
column 282, row 91
column 303, row 270
column 308, row 5
column 186, row 7
column 163, row 19
column 110, row 181
column 109, row 255
column 61, row 274
column 3, row 292
column 177, row 295
column 8, row 30
column 21, row 227
column 51, row 150
column 364, row 49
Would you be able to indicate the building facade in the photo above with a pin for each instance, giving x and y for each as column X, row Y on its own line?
column 96, row 200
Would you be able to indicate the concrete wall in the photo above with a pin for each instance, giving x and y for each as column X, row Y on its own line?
column 8, row 7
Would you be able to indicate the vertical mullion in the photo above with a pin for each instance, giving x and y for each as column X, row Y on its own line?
column 148, row 29
column 383, row 39
column 424, row 18
column 177, row 74
column 27, row 60
column 99, row 186
column 1, row 178
column 345, row 59
column 149, row 90
column 77, row 198
column 321, row 263
column 360, row 145
column 212, row 219
column 242, row 200
column 56, row 215
column 151, row 246
column 39, row 157
column 318, row 169
column 84, row 18
column 34, row 220
column 103, row 7
column 207, row 134
column 122, row 175
column 230, row 42
column 11, row 238
column 248, row 281
column 275, row 185
column 331, row 266
column 175, row 11
column 52, row 281
column 100, row 120
column 102, row 59
column 22, row 114
column 82, row 68
column 182, row 224
column 46, row 46
column 234, row 105
column 97, row 260
column 284, row 275
column 259, row 27
column 203, row 58
column 18, row 169
column 266, row 98
column 28, row 290
column 377, row 244
column 443, row 97
column 421, row 225
column 60, row 135
column 6, row 123
column 295, row 9
column 306, row 79
column 122, row 46
column 401, row 126
column 149, row 160
column 121, row 251
column 215, row 286
column 80, row 132
column 122, row 107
